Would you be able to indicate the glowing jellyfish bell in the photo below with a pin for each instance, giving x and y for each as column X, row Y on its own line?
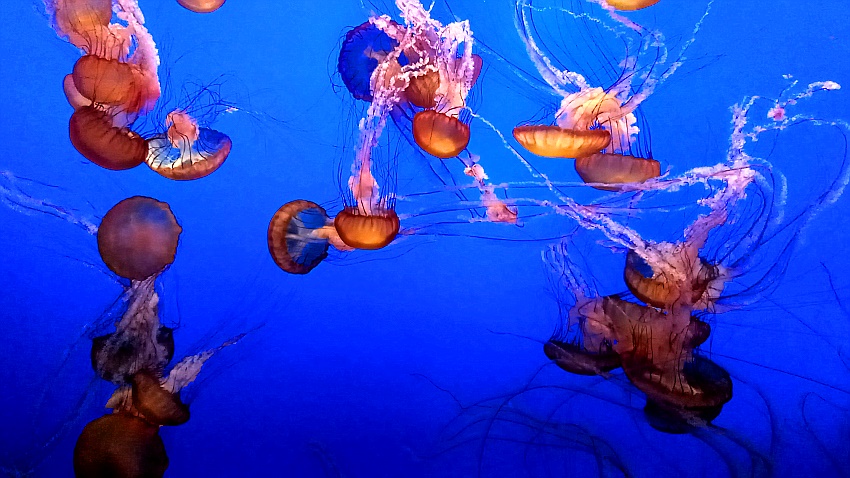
column 186, row 151
column 201, row 6
column 120, row 444
column 138, row 237
column 299, row 236
column 629, row 5
column 94, row 135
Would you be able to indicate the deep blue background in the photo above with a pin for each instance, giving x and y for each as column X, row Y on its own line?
column 344, row 368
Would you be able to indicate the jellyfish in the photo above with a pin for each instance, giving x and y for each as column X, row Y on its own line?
column 186, row 151
column 120, row 445
column 363, row 48
column 138, row 237
column 299, row 236
column 201, row 6
column 94, row 135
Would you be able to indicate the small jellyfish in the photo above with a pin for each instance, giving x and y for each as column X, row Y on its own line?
column 201, row 6
column 138, row 237
column 558, row 142
column 629, row 5
column 298, row 236
column 80, row 20
column 363, row 48
column 439, row 134
column 122, row 445
column 374, row 230
column 662, row 289
column 94, row 135
column 186, row 151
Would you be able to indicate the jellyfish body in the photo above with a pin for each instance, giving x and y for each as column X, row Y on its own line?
column 367, row 231
column 362, row 49
column 557, row 142
column 201, row 6
column 629, row 5
column 158, row 405
column 576, row 359
column 701, row 281
column 439, row 134
column 138, row 237
column 120, row 445
column 80, row 20
column 95, row 137
column 294, row 238
column 187, row 151
column 104, row 81
column 613, row 169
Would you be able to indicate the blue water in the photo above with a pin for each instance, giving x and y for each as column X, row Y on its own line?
column 371, row 364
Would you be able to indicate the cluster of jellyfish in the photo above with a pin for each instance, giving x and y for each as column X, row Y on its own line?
column 137, row 240
column 115, row 81
column 418, row 73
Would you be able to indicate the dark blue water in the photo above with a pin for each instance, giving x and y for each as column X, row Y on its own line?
column 425, row 358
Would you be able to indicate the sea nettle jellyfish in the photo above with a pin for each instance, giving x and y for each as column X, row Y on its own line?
column 187, row 151
column 201, row 6
column 299, row 236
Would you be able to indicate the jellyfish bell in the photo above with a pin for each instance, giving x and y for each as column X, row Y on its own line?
column 630, row 5
column 201, row 6
column 79, row 19
column 367, row 231
column 700, row 281
column 157, row 405
column 95, row 136
column 612, row 169
column 556, row 142
column 186, row 151
column 108, row 82
column 363, row 48
column 295, row 238
column 439, row 134
column 122, row 445
column 138, row 237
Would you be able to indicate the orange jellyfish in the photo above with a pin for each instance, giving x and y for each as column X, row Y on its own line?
column 201, row 6
column 122, row 445
column 662, row 289
column 629, row 5
column 439, row 134
column 299, row 236
column 157, row 405
column 186, row 151
column 613, row 169
column 80, row 20
column 138, row 237
column 94, row 135
column 366, row 231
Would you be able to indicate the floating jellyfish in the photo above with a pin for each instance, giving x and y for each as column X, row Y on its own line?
column 299, row 236
column 120, row 445
column 94, row 135
column 201, row 6
column 187, row 151
column 628, row 5
column 138, row 237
